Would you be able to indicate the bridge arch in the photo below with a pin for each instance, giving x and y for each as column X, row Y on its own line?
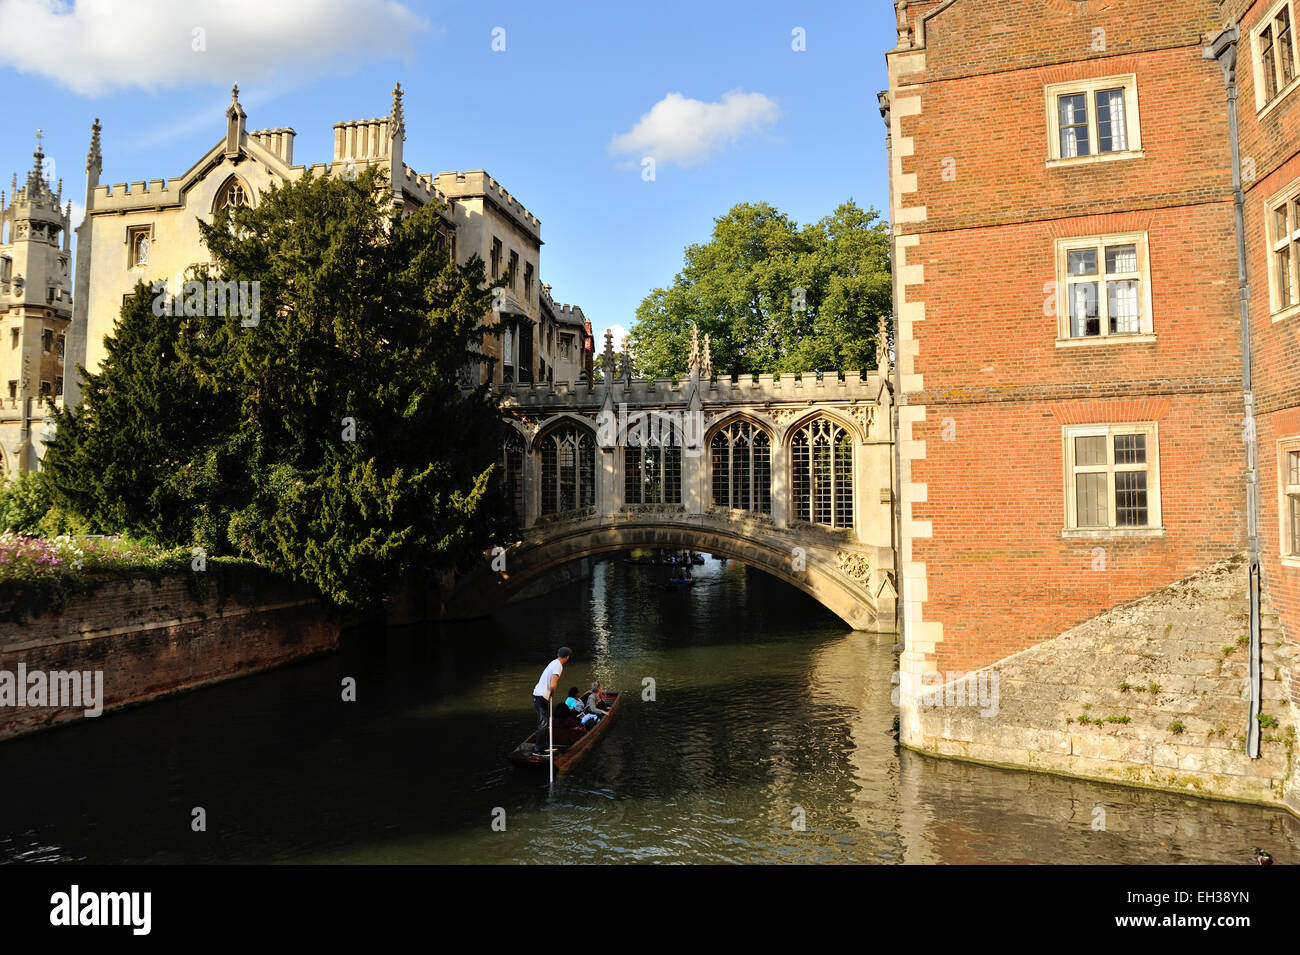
column 813, row 569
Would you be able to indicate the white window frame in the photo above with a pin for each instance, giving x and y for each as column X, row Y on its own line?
column 1275, row 241
column 1090, row 88
column 1263, row 105
column 1146, row 324
column 1154, row 526
column 1285, row 446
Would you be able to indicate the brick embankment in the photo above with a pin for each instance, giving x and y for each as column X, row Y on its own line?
column 1149, row 693
column 152, row 638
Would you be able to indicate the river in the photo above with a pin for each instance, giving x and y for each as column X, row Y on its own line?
column 768, row 739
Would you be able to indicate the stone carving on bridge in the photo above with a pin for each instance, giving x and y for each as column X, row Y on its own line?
column 855, row 565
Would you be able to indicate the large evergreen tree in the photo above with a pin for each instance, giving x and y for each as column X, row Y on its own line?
column 326, row 435
column 742, row 288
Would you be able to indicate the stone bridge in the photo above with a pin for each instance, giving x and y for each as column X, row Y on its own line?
column 791, row 475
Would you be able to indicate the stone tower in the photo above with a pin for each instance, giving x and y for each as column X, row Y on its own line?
column 35, row 312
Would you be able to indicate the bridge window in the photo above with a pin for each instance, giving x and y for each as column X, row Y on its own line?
column 512, row 474
column 568, row 470
column 742, row 468
column 652, row 474
column 822, row 455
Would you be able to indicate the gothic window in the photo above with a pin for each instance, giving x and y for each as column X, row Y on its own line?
column 822, row 479
column 652, row 474
column 232, row 195
column 496, row 258
column 741, row 455
column 508, row 356
column 568, row 469
column 512, row 473
column 514, row 268
column 139, row 239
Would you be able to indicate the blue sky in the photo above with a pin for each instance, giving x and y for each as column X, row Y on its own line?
column 800, row 129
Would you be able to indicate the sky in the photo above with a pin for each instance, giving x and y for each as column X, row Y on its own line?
column 561, row 101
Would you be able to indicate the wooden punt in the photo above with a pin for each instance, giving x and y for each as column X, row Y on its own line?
column 571, row 745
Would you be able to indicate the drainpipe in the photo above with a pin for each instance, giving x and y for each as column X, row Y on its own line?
column 896, row 506
column 1223, row 48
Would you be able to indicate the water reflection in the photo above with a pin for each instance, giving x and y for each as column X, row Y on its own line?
column 766, row 713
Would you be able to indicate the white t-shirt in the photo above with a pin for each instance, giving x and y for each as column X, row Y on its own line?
column 543, row 687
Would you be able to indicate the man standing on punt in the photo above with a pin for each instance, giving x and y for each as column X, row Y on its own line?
column 542, row 698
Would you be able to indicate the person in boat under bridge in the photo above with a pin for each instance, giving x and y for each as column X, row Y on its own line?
column 542, row 695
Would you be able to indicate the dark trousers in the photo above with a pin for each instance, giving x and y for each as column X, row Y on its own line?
column 543, row 708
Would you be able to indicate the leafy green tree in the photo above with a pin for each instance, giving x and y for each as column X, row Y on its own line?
column 742, row 288
column 144, row 451
column 332, row 441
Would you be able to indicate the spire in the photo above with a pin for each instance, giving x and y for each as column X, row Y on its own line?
column 94, row 158
column 607, row 356
column 693, row 359
column 625, row 363
column 882, row 346
column 399, row 118
column 235, row 117
column 36, row 180
column 706, row 362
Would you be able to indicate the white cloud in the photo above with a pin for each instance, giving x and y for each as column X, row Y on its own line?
column 619, row 334
column 686, row 131
column 101, row 45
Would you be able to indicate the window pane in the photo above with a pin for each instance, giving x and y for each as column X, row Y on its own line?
column 721, row 459
column 1083, row 310
column 762, row 474
column 1294, row 504
column 1090, row 499
column 800, row 482
column 1074, row 125
column 1090, row 451
column 1121, row 259
column 1282, row 265
column 1122, row 303
column 1285, row 55
column 1293, row 467
column 1112, row 132
column 844, row 480
column 1083, row 262
column 1131, row 498
column 1267, row 62
column 1130, row 449
column 631, row 475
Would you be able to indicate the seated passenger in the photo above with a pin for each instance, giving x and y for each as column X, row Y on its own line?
column 596, row 700
column 577, row 707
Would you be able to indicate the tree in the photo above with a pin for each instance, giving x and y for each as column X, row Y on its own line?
column 332, row 440
column 772, row 296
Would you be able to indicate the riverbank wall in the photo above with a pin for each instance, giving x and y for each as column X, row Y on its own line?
column 139, row 639
column 1151, row 693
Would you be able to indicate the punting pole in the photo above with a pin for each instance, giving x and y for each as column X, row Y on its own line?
column 550, row 736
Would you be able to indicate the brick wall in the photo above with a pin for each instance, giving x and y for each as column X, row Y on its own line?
column 150, row 639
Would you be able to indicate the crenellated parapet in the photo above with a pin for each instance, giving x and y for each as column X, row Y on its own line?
column 476, row 183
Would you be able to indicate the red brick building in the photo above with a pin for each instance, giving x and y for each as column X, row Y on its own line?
column 1070, row 347
column 1267, row 77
